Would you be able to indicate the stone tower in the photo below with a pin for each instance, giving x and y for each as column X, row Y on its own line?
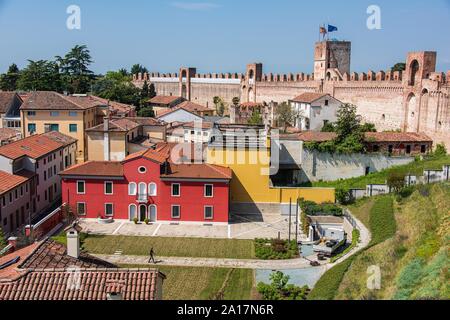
column 417, row 86
column 253, row 75
column 331, row 57
column 186, row 74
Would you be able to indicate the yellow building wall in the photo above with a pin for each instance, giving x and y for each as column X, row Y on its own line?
column 251, row 182
column 84, row 119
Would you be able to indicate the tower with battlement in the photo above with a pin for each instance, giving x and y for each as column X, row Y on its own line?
column 331, row 59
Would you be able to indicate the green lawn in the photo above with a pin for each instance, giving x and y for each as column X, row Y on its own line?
column 171, row 247
column 414, row 168
column 191, row 283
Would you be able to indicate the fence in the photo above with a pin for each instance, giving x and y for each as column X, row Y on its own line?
column 45, row 225
column 429, row 176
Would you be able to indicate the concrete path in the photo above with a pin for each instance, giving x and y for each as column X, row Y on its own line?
column 208, row 262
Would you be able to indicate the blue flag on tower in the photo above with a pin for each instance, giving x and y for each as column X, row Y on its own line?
column 332, row 28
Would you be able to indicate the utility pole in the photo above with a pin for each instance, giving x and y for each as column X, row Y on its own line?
column 296, row 221
column 290, row 218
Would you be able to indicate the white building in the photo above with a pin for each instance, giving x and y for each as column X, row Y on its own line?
column 30, row 168
column 314, row 110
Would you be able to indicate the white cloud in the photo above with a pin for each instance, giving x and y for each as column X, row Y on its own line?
column 195, row 6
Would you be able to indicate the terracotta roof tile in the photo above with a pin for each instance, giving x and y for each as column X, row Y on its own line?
column 10, row 181
column 397, row 137
column 164, row 99
column 95, row 169
column 310, row 136
column 6, row 134
column 12, row 271
column 251, row 104
column 6, row 100
column 53, row 255
column 198, row 171
column 193, row 107
column 94, row 284
column 309, row 97
column 36, row 146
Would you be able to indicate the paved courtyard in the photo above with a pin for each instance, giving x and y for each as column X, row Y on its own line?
column 240, row 227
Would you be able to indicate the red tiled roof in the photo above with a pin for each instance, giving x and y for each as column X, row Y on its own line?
column 117, row 125
column 95, row 169
column 35, row 146
column 397, row 137
column 193, row 107
column 198, row 171
column 164, row 99
column 53, row 255
column 95, row 284
column 310, row 136
column 10, row 181
column 12, row 272
column 6, row 100
column 146, row 121
column 203, row 125
column 6, row 134
column 172, row 110
column 309, row 97
column 251, row 104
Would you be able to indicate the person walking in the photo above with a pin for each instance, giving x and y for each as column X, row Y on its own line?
column 152, row 256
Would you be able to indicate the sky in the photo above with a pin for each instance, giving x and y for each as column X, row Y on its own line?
column 221, row 35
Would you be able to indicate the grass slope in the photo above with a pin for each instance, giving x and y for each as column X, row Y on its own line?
column 191, row 283
column 414, row 168
column 171, row 247
column 414, row 261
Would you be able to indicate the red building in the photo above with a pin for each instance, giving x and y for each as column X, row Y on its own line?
column 147, row 185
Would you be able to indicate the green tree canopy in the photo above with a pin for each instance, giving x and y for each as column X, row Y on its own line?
column 279, row 289
column 401, row 66
column 256, row 118
column 8, row 81
column 285, row 115
column 40, row 75
column 137, row 68
column 146, row 112
column 118, row 87
column 74, row 66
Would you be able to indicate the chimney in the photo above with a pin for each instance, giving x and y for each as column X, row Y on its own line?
column 73, row 240
column 12, row 241
column 106, row 123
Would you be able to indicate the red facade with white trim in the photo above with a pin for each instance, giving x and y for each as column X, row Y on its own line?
column 147, row 194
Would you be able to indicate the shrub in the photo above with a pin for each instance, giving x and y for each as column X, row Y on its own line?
column 135, row 220
column 328, row 209
column 146, row 221
column 3, row 242
column 279, row 289
column 343, row 196
column 396, row 181
column 440, row 150
column 275, row 249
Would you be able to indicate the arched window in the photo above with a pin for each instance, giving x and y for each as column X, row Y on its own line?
column 152, row 189
column 142, row 190
column 132, row 189
column 413, row 69
column 132, row 211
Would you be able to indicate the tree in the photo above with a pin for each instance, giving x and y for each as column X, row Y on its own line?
column 401, row 66
column 328, row 127
column 8, row 81
column 440, row 151
column 117, row 87
column 146, row 112
column 396, row 181
column 151, row 91
column 40, row 75
column 3, row 242
column 236, row 101
column 220, row 106
column 368, row 127
column 285, row 115
column 75, row 71
column 348, row 123
column 279, row 289
column 137, row 68
column 256, row 118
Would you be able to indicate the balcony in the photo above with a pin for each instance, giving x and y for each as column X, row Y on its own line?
column 142, row 198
